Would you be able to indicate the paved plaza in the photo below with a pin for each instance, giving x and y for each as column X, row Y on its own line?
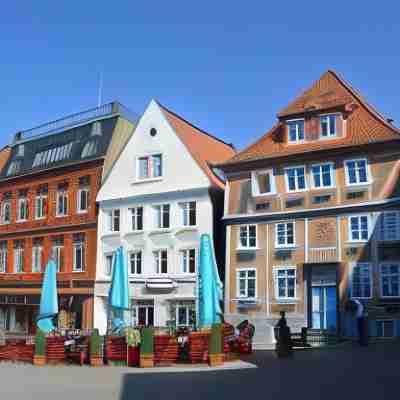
column 346, row 372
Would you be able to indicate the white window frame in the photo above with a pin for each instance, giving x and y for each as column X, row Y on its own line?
column 381, row 279
column 26, row 208
column 106, row 258
column 286, row 245
column 75, row 247
column 135, row 253
column 185, row 213
column 276, row 270
column 3, row 259
column 247, row 228
column 135, row 217
column 56, row 253
column 150, row 167
column 352, row 267
column 62, row 195
column 79, row 208
column 37, row 258
column 296, row 190
column 367, row 172
column 255, row 186
column 238, row 278
column 349, row 231
column 383, row 234
column 329, row 136
column 18, row 260
column 159, row 208
column 188, row 308
column 111, row 217
column 184, row 256
column 332, row 175
column 40, row 205
column 157, row 257
column 4, row 205
column 146, row 306
column 291, row 121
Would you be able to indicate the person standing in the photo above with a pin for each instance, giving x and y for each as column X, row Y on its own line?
column 361, row 323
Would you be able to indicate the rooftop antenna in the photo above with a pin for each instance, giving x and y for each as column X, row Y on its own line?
column 99, row 99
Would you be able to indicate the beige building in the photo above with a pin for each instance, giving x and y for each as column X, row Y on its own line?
column 312, row 218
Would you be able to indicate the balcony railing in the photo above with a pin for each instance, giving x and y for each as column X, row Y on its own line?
column 323, row 255
column 56, row 126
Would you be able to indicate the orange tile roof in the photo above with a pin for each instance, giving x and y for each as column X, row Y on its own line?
column 204, row 148
column 364, row 124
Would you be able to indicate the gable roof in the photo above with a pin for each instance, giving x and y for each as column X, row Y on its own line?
column 206, row 149
column 364, row 123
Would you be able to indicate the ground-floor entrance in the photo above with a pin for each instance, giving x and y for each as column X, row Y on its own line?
column 322, row 297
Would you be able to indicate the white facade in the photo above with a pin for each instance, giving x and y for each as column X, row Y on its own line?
column 164, row 275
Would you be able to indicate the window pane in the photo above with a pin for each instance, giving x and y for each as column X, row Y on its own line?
column 316, row 176
column 143, row 168
column 157, row 165
column 362, row 170
column 351, row 171
column 264, row 183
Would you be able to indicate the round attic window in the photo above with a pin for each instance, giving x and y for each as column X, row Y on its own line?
column 153, row 132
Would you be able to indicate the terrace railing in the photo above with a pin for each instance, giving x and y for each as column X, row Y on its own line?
column 49, row 128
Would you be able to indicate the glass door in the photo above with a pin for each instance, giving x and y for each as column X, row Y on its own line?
column 324, row 308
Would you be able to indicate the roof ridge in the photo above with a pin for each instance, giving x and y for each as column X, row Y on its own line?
column 357, row 94
column 194, row 126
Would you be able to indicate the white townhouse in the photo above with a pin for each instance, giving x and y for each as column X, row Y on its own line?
column 160, row 196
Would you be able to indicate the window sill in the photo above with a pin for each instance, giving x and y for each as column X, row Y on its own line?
column 364, row 185
column 258, row 195
column 356, row 243
column 82, row 212
column 160, row 231
column 134, row 233
column 294, row 247
column 190, row 228
column 110, row 234
column 39, row 219
column 294, row 300
column 247, row 249
column 62, row 216
column 147, row 180
column 21, row 221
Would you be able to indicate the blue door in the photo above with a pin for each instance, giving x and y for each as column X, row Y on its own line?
column 324, row 307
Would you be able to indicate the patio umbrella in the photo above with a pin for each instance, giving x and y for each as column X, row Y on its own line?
column 210, row 285
column 118, row 297
column 48, row 299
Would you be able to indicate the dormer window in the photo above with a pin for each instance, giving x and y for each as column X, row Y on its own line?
column 328, row 125
column 263, row 183
column 296, row 131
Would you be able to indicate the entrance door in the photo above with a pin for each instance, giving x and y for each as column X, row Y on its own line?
column 324, row 308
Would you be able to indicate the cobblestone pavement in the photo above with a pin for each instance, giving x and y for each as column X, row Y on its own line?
column 346, row 372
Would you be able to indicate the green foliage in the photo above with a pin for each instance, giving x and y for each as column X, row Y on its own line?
column 147, row 346
column 215, row 340
column 95, row 343
column 132, row 336
column 40, row 343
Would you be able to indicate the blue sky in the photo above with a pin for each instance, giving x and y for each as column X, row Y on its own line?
column 228, row 67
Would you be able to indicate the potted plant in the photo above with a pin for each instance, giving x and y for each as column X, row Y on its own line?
column 215, row 348
column 96, row 358
column 147, row 348
column 39, row 358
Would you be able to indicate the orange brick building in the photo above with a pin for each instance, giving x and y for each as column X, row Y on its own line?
column 48, row 188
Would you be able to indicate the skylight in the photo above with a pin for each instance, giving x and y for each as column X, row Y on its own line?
column 90, row 149
column 52, row 155
column 14, row 167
